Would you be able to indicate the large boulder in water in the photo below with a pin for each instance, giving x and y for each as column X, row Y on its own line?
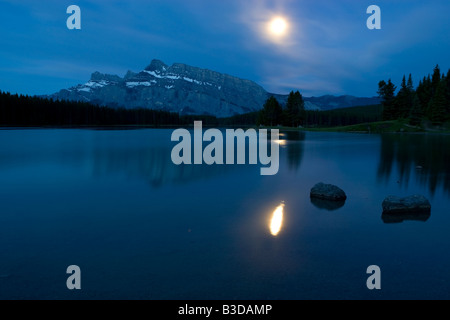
column 328, row 192
column 327, row 205
column 415, row 204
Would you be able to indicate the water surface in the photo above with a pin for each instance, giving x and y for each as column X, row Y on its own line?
column 139, row 227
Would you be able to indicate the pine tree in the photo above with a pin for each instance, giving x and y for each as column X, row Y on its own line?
column 448, row 81
column 271, row 113
column 447, row 109
column 262, row 118
column 295, row 110
column 387, row 93
column 438, row 104
column 402, row 101
column 416, row 114
column 424, row 94
column 436, row 79
column 410, row 85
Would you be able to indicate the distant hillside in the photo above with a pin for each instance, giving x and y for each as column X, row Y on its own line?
column 328, row 102
column 369, row 110
column 344, row 116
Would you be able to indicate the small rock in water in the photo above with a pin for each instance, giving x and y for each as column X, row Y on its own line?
column 411, row 204
column 401, row 217
column 328, row 192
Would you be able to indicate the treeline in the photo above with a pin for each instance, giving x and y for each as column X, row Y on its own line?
column 246, row 119
column 343, row 117
column 28, row 111
column 430, row 101
column 295, row 115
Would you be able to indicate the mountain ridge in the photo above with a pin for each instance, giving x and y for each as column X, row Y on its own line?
column 188, row 90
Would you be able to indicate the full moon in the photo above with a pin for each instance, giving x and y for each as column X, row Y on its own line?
column 278, row 26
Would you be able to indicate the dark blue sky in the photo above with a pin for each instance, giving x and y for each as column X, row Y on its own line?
column 326, row 50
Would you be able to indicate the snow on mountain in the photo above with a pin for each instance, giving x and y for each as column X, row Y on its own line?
column 187, row 90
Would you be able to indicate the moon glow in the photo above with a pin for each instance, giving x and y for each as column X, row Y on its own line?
column 278, row 26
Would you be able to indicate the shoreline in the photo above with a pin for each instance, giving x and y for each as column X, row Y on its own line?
column 391, row 127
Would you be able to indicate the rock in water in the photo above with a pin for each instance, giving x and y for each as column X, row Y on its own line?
column 412, row 204
column 328, row 192
column 327, row 205
column 401, row 217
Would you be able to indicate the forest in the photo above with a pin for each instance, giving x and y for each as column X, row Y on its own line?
column 26, row 111
column 429, row 103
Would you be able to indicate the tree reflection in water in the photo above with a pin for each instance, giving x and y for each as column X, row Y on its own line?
column 425, row 157
column 294, row 148
column 154, row 164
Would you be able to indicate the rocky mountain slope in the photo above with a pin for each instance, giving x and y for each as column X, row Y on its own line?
column 187, row 90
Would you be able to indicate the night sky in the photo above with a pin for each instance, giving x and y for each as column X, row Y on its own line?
column 324, row 47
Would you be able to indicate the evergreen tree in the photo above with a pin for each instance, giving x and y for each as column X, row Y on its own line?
column 436, row 79
column 448, row 81
column 447, row 109
column 295, row 110
column 410, row 85
column 271, row 113
column 438, row 104
column 386, row 91
column 424, row 93
column 416, row 114
column 261, row 119
column 402, row 101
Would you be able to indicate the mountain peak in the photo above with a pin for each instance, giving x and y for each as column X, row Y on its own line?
column 130, row 74
column 97, row 76
column 156, row 65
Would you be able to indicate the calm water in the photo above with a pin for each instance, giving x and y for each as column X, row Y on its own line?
column 140, row 227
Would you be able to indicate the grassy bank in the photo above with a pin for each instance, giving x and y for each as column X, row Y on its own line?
column 395, row 126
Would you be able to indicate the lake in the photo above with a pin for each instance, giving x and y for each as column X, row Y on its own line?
column 139, row 227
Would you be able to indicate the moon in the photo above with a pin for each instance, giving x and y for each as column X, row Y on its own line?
column 278, row 26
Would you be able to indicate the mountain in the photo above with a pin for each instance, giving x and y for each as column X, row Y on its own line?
column 178, row 88
column 187, row 90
